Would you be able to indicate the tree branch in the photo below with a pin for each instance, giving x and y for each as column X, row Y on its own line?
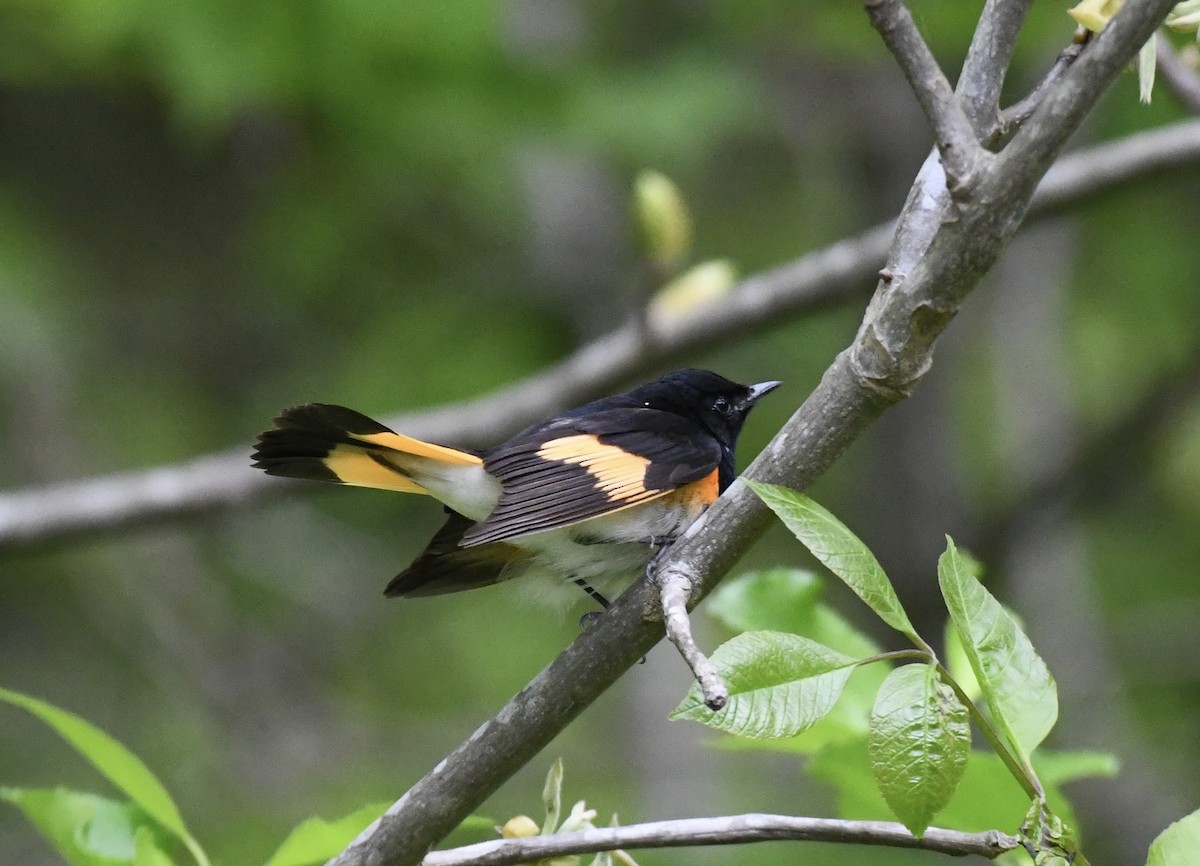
column 1060, row 113
column 984, row 70
column 729, row 830
column 956, row 142
column 822, row 279
column 1016, row 115
column 675, row 591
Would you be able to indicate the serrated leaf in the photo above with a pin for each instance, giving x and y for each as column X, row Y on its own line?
column 919, row 742
column 840, row 550
column 119, row 765
column 1177, row 845
column 987, row 797
column 786, row 600
column 316, row 839
column 1021, row 695
column 86, row 829
column 779, row 685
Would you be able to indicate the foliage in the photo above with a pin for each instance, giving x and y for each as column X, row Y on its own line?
column 917, row 733
column 92, row 830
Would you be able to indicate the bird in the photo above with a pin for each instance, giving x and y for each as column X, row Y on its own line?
column 587, row 496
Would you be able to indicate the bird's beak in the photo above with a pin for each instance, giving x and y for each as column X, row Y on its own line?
column 761, row 390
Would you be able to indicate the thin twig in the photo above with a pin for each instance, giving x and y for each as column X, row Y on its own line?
column 730, row 830
column 675, row 591
column 1180, row 77
column 987, row 62
column 952, row 130
column 1015, row 115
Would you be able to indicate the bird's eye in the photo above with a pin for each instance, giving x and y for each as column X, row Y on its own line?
column 723, row 406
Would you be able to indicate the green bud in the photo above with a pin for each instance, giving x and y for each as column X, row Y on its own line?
column 663, row 224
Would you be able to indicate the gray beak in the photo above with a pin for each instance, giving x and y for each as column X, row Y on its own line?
column 761, row 390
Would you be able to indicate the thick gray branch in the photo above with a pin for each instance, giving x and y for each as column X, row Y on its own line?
column 729, row 830
column 827, row 277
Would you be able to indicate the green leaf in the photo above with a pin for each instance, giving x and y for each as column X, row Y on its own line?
column 959, row 664
column 987, row 797
column 840, row 550
column 1177, row 845
column 86, row 829
column 1021, row 695
column 317, row 839
column 779, row 685
column 919, row 742
column 552, row 797
column 119, row 765
column 787, row 600
column 778, row 599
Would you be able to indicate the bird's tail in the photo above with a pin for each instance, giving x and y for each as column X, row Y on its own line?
column 331, row 443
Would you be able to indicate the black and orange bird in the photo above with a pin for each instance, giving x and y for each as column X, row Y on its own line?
column 586, row 496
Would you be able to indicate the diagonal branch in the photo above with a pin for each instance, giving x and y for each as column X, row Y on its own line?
column 831, row 276
column 984, row 70
column 1016, row 114
column 956, row 141
column 730, row 830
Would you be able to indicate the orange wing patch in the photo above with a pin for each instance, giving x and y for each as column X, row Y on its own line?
column 619, row 474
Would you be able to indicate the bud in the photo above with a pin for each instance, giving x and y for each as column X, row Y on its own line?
column 664, row 226
column 704, row 284
column 1094, row 14
column 520, row 827
column 581, row 818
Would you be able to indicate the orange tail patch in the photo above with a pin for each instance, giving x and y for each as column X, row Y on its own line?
column 331, row 443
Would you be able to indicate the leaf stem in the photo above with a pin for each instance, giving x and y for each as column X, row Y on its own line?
column 196, row 851
column 917, row 654
column 1022, row 772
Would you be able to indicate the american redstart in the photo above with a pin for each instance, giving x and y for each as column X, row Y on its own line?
column 587, row 495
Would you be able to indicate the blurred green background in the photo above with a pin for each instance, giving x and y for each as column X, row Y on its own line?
column 210, row 210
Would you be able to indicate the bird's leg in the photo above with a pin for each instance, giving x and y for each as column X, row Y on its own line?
column 660, row 544
column 587, row 618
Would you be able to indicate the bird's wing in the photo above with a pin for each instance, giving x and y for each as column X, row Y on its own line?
column 587, row 466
